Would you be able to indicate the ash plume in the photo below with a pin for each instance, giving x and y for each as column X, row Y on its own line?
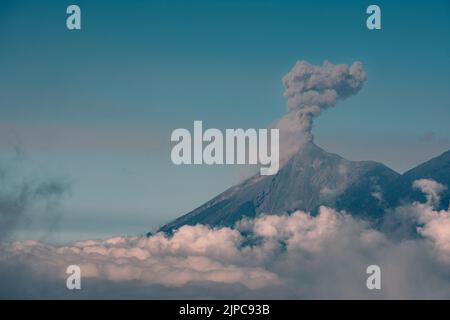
column 309, row 90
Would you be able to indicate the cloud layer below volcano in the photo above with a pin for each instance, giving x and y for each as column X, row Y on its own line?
column 271, row 256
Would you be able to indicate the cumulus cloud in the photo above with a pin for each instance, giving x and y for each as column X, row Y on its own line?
column 434, row 225
column 192, row 254
column 310, row 234
column 309, row 90
column 436, row 228
column 271, row 256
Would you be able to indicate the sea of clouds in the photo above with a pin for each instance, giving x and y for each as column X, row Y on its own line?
column 270, row 256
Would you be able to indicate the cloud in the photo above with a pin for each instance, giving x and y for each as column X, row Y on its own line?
column 270, row 256
column 311, row 234
column 309, row 90
column 434, row 225
column 431, row 189
column 436, row 228
column 24, row 200
column 192, row 254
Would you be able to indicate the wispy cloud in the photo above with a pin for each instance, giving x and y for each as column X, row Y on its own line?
column 27, row 200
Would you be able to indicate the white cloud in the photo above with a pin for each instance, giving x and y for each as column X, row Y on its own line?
column 271, row 256
column 436, row 228
column 193, row 253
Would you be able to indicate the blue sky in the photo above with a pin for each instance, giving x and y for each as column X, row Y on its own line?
column 97, row 106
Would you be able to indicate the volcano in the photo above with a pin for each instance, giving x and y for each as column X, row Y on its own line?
column 309, row 179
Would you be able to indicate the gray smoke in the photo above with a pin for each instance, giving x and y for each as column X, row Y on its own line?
column 24, row 201
column 309, row 90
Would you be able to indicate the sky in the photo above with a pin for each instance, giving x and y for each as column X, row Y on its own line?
column 96, row 107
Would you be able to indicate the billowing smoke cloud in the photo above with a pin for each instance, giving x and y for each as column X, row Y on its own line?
column 26, row 200
column 271, row 256
column 309, row 90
